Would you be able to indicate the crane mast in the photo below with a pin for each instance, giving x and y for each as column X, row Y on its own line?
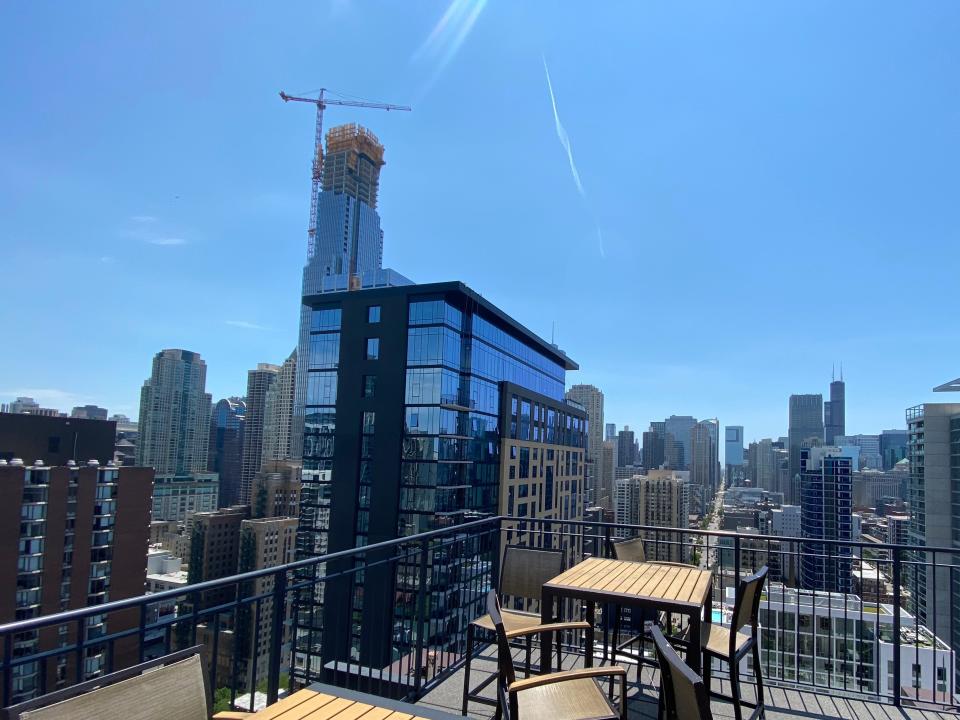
column 317, row 163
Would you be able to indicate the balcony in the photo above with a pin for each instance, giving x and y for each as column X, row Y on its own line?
column 827, row 651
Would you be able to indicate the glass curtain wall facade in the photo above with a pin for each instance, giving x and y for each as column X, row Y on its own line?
column 400, row 399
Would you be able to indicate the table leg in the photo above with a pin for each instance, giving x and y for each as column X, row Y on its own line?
column 694, row 651
column 546, row 639
column 591, row 618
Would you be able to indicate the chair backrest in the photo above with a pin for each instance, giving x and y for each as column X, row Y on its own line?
column 173, row 686
column 683, row 693
column 506, row 675
column 631, row 549
column 524, row 570
column 746, row 607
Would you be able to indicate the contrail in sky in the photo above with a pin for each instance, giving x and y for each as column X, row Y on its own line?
column 562, row 133
column 565, row 142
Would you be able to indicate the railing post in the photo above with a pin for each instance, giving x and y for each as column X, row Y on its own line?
column 419, row 618
column 606, row 542
column 896, row 626
column 276, row 638
column 736, row 561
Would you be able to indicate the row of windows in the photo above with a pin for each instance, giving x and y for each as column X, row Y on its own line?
column 434, row 312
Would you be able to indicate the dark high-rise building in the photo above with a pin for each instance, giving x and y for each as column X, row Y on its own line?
column 55, row 440
column 626, row 447
column 835, row 411
column 402, row 392
column 805, row 429
column 826, row 513
column 226, row 447
column 893, row 447
column 71, row 537
column 654, row 446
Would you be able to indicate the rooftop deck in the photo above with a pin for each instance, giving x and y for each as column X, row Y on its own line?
column 781, row 703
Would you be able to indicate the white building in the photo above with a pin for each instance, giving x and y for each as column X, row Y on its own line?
column 840, row 642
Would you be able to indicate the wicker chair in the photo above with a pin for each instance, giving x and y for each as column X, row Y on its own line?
column 730, row 645
column 564, row 695
column 522, row 575
column 173, row 686
column 682, row 692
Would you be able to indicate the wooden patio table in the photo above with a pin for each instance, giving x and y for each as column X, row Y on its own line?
column 671, row 588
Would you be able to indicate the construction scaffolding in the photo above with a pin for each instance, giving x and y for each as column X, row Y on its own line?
column 352, row 163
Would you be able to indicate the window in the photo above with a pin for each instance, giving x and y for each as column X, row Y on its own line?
column 373, row 348
column 369, row 419
column 369, row 385
column 373, row 314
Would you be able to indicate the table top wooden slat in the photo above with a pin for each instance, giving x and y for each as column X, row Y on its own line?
column 309, row 704
column 677, row 584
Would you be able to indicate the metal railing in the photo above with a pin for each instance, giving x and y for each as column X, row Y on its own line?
column 837, row 617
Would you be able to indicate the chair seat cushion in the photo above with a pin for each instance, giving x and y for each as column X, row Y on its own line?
column 715, row 639
column 571, row 700
column 512, row 620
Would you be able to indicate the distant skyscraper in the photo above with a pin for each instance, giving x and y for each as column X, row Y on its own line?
column 89, row 412
column 590, row 398
column 704, row 463
column 835, row 411
column 826, row 511
column 654, row 446
column 733, row 455
column 611, row 432
column 348, row 247
column 893, row 447
column 175, row 415
column 659, row 499
column 259, row 382
column 226, row 447
column 278, row 412
column 870, row 456
column 626, row 447
column 678, row 429
column 805, row 429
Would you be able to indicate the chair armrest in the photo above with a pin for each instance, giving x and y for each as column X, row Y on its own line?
column 549, row 627
column 565, row 675
column 232, row 715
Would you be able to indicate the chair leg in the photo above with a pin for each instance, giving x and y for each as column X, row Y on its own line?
column 735, row 687
column 617, row 610
column 558, row 640
column 758, row 674
column 707, row 668
column 529, row 650
column 466, row 669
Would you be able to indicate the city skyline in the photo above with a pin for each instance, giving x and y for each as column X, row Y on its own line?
column 213, row 201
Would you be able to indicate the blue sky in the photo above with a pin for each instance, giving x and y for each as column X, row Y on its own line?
column 764, row 189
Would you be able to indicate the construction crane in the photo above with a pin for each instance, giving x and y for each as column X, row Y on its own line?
column 317, row 165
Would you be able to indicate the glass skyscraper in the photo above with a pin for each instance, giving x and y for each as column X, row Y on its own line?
column 402, row 394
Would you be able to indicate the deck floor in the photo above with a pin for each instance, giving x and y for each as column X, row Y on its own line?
column 782, row 703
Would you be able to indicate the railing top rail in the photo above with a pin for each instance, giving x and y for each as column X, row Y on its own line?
column 734, row 533
column 173, row 594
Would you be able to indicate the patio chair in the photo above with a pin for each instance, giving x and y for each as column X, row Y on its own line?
column 682, row 692
column 563, row 695
column 172, row 686
column 730, row 645
column 522, row 575
column 632, row 550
